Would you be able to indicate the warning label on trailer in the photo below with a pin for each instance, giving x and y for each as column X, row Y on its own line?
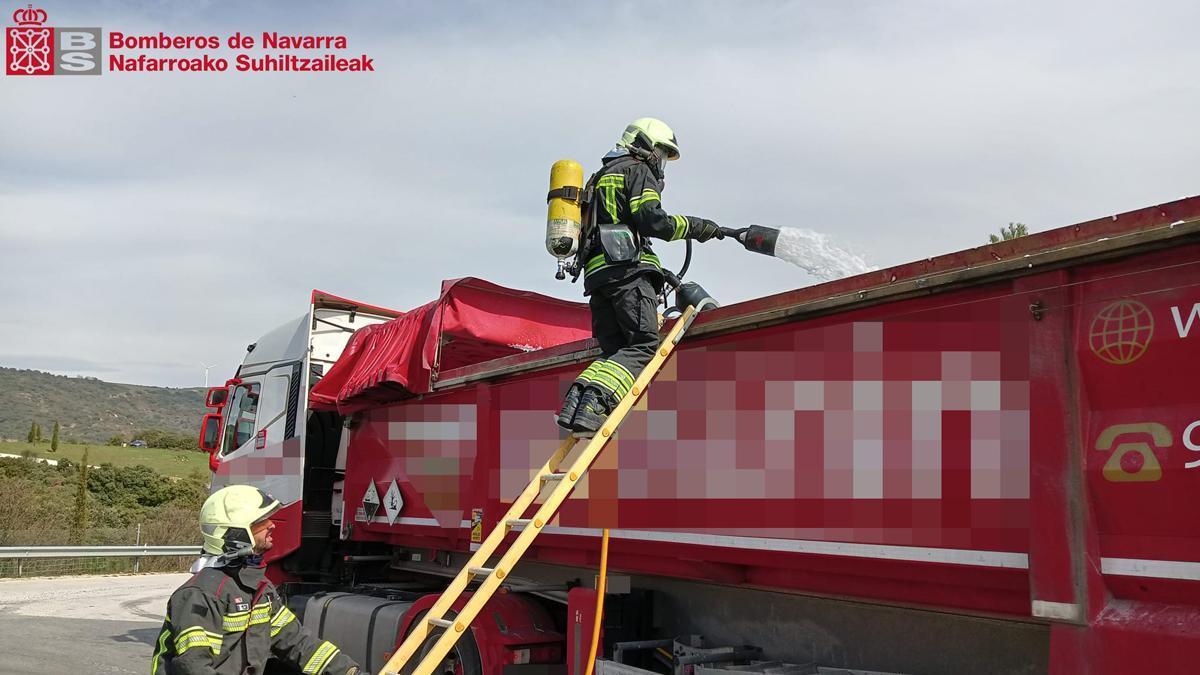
column 370, row 503
column 476, row 526
column 393, row 501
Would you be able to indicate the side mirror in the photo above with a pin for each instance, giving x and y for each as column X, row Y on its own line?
column 217, row 397
column 210, row 432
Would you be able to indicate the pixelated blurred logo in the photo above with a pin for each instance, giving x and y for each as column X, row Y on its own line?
column 1121, row 332
column 32, row 48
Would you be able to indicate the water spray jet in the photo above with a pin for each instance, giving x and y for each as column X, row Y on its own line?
column 811, row 251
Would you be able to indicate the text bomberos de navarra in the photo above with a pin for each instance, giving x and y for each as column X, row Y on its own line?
column 283, row 62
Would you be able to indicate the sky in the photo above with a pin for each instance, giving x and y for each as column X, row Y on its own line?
column 154, row 223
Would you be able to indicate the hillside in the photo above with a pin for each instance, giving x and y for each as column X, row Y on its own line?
column 92, row 410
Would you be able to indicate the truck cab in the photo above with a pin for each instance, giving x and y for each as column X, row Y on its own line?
column 259, row 429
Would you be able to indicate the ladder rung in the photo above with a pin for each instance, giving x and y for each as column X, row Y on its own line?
column 480, row 571
column 547, row 477
column 518, row 523
column 441, row 623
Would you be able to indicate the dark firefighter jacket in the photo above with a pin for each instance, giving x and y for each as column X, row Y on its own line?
column 229, row 621
column 627, row 193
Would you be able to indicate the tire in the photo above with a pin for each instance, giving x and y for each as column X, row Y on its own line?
column 463, row 659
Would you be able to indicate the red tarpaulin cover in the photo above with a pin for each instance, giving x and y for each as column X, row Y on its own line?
column 472, row 321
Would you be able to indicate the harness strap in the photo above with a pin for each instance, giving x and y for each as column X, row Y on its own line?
column 567, row 192
column 251, row 670
column 589, row 233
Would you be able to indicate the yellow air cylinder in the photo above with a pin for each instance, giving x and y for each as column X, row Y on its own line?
column 563, row 215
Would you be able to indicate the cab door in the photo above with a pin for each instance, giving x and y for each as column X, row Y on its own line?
column 257, row 412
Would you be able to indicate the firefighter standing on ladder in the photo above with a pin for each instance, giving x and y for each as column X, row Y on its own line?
column 229, row 619
column 622, row 275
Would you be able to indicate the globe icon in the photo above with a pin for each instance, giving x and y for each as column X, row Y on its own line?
column 1121, row 332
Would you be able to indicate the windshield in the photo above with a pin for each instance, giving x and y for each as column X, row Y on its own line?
column 242, row 410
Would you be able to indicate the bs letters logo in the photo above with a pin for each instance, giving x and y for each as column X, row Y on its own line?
column 32, row 48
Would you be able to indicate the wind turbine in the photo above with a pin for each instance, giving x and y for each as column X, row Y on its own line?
column 206, row 368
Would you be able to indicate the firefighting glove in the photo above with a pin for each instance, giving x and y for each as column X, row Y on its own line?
column 702, row 229
column 353, row 670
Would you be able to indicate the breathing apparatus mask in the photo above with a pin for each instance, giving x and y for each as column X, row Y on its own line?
column 658, row 165
column 655, row 157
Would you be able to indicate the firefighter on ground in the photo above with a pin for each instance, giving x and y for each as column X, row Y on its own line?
column 622, row 275
column 228, row 618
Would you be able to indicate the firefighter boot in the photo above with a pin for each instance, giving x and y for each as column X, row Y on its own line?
column 570, row 403
column 593, row 409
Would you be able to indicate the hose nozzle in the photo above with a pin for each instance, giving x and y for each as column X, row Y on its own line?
column 755, row 238
column 731, row 233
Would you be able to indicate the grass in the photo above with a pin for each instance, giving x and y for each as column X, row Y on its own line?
column 167, row 462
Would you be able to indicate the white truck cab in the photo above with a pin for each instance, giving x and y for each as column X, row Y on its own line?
column 259, row 429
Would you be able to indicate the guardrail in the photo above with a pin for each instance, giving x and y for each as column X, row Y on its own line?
column 22, row 553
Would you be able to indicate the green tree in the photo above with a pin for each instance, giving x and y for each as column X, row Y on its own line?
column 46, row 513
column 116, row 440
column 158, row 438
column 79, row 519
column 1013, row 231
column 37, row 433
column 54, row 438
column 32, row 436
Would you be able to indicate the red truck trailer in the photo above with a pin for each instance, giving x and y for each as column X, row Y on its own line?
column 977, row 463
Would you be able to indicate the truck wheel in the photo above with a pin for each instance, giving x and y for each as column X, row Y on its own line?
column 463, row 659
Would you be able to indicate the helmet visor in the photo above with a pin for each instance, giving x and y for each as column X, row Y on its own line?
column 268, row 508
column 266, row 514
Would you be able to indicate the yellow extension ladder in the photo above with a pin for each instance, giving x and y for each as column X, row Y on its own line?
column 492, row 577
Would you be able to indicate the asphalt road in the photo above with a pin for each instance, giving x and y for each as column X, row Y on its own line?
column 85, row 625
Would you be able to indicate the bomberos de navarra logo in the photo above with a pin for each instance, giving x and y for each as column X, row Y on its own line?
column 219, row 63
column 33, row 48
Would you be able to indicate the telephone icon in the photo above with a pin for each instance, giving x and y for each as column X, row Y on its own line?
column 1133, row 460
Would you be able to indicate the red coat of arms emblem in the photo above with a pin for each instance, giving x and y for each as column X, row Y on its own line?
column 29, row 48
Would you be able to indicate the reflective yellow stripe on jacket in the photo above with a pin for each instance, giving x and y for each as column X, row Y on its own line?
column 598, row 262
column 681, row 224
column 648, row 195
column 281, row 619
column 161, row 649
column 320, row 658
column 240, row 621
column 196, row 636
column 609, row 186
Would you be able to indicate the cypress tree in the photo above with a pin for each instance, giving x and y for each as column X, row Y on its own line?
column 54, row 438
column 79, row 519
column 32, row 432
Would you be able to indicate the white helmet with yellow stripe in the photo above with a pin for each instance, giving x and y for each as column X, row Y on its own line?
column 648, row 134
column 228, row 515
